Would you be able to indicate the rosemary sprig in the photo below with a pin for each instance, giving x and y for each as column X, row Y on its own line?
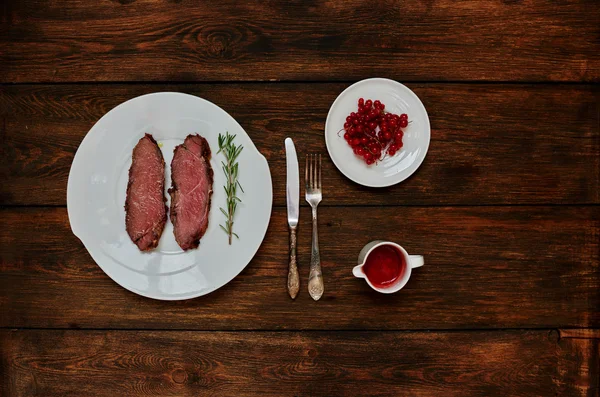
column 230, row 168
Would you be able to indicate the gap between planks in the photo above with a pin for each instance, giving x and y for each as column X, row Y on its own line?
column 302, row 204
column 563, row 333
column 299, row 82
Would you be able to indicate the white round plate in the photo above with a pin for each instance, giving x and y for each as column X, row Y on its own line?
column 98, row 183
column 397, row 99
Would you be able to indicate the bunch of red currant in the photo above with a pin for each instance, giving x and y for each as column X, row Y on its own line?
column 372, row 132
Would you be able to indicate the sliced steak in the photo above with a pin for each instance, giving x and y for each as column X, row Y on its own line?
column 145, row 209
column 191, row 190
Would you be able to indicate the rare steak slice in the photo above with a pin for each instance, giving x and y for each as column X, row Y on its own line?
column 145, row 209
column 191, row 190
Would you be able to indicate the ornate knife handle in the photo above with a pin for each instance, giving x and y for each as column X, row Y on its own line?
column 293, row 283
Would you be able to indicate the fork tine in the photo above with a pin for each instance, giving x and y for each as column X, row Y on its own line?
column 319, row 172
column 315, row 161
column 316, row 171
column 309, row 171
column 312, row 172
column 306, row 172
column 315, row 157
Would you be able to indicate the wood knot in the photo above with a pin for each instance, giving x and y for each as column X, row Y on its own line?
column 221, row 41
column 179, row 376
column 554, row 336
column 230, row 41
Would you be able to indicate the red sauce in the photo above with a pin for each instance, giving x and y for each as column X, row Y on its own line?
column 384, row 266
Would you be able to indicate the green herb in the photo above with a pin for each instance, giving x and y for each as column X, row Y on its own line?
column 230, row 168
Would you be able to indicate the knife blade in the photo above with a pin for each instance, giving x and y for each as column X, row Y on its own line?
column 293, row 182
column 293, row 210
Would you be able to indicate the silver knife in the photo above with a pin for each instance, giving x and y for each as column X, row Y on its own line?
column 293, row 210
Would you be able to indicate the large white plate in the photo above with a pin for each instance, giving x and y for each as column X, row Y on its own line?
column 397, row 99
column 98, row 182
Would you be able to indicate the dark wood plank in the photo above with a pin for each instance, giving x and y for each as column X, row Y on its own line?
column 153, row 40
column 506, row 267
column 148, row 40
column 133, row 363
column 491, row 144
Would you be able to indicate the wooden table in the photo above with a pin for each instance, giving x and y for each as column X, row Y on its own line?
column 504, row 208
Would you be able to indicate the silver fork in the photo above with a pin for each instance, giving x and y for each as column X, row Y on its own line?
column 314, row 197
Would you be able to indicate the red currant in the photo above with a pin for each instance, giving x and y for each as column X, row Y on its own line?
column 371, row 130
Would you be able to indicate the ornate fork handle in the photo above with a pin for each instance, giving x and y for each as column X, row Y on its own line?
column 315, row 277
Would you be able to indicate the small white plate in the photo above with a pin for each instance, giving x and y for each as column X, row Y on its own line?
column 397, row 99
column 98, row 182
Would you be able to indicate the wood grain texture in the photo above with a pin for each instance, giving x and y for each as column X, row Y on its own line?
column 585, row 351
column 130, row 363
column 506, row 267
column 580, row 333
column 491, row 144
column 150, row 40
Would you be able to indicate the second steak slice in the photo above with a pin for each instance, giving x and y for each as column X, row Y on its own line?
column 191, row 190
